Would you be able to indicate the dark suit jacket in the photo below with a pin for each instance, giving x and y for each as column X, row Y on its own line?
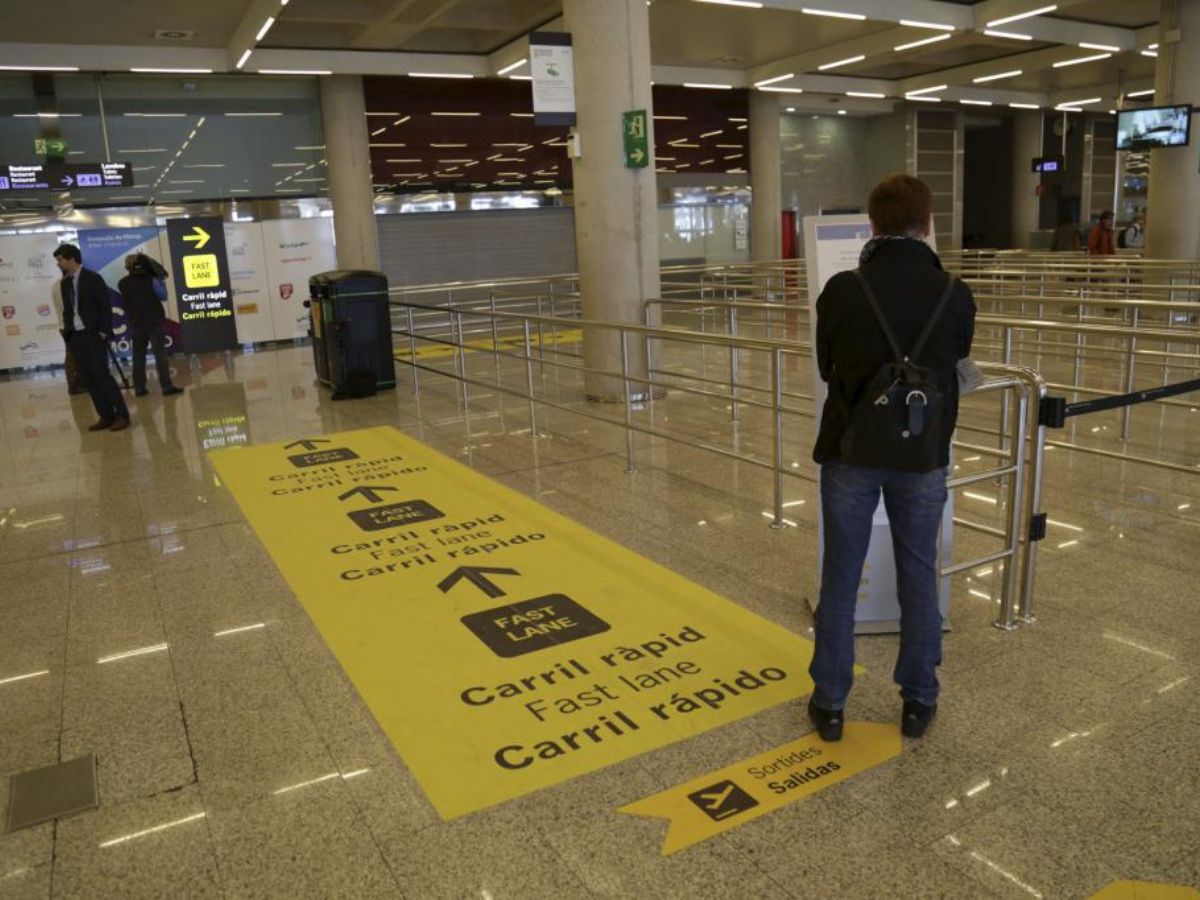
column 95, row 308
column 908, row 279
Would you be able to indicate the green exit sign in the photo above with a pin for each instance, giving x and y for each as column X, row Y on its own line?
column 634, row 125
column 55, row 147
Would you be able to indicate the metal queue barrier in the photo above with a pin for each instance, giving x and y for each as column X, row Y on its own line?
column 1020, row 471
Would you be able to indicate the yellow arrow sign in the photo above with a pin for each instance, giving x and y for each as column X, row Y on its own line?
column 1146, row 890
column 199, row 237
column 725, row 799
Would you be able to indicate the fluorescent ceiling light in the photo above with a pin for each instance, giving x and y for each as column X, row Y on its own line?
column 842, row 112
column 1024, row 106
column 731, row 146
column 842, row 62
column 404, row 160
column 146, row 150
column 266, row 26
column 867, row 95
column 671, row 118
column 205, row 166
column 1025, row 15
column 1141, row 93
column 736, row 119
column 1109, row 47
column 922, row 43
column 245, row 56
column 39, row 68
column 520, row 78
column 976, row 102
column 513, row 67
column 712, row 133
column 1152, row 46
column 186, row 181
column 312, row 147
column 923, row 98
column 378, row 131
column 456, row 114
column 381, row 114
column 173, row 71
column 445, row 145
column 834, row 14
column 521, row 115
column 295, row 71
column 912, row 23
column 1072, row 105
column 439, row 75
column 46, row 115
column 1081, row 59
column 777, row 78
column 928, row 90
column 749, row 4
column 1013, row 74
column 782, row 90
column 1153, row 54
column 245, row 114
column 1010, row 35
column 711, row 87
column 288, row 165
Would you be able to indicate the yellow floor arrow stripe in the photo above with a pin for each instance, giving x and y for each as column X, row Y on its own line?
column 516, row 342
column 721, row 800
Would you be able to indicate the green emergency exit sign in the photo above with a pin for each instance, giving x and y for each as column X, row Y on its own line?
column 637, row 139
column 54, row 147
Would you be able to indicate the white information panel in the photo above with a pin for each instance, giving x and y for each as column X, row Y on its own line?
column 833, row 244
column 28, row 322
column 295, row 250
column 552, row 67
column 248, row 276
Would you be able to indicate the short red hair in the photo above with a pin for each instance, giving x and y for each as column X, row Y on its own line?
column 901, row 204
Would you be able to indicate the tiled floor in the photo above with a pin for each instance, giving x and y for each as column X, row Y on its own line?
column 1064, row 756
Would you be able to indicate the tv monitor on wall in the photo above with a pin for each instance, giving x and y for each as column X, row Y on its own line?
column 1160, row 126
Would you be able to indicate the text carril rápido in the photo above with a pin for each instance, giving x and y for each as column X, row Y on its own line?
column 718, row 695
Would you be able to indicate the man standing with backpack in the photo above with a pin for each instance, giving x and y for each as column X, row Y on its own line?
column 889, row 337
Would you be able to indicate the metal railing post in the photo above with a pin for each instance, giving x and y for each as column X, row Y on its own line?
column 412, row 349
column 1006, row 618
column 777, row 432
column 733, row 364
column 630, row 464
column 462, row 362
column 529, row 378
column 1130, row 377
column 1033, row 506
column 495, row 328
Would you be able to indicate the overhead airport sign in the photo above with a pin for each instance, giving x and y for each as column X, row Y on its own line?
column 501, row 647
column 636, row 132
column 552, row 68
column 202, row 285
column 56, row 176
column 732, row 796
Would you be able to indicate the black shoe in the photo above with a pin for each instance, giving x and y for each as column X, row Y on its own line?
column 172, row 391
column 828, row 721
column 141, row 392
column 915, row 718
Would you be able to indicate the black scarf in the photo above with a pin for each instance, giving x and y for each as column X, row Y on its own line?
column 873, row 245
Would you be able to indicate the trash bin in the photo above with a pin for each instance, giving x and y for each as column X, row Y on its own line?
column 351, row 328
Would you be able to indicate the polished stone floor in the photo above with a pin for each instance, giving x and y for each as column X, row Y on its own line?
column 1064, row 757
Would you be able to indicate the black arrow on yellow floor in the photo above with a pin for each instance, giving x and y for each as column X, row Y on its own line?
column 307, row 443
column 370, row 493
column 475, row 575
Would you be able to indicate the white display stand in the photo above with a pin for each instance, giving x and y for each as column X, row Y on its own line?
column 832, row 244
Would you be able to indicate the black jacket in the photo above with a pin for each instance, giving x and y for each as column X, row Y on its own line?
column 908, row 279
column 142, row 305
column 95, row 308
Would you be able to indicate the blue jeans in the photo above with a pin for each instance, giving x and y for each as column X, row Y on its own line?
column 914, row 503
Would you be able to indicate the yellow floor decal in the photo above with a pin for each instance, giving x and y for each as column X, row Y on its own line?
column 1146, row 890
column 508, row 344
column 721, row 800
column 502, row 647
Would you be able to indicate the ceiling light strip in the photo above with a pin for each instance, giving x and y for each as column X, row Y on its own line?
column 985, row 78
column 921, row 43
column 842, row 62
column 1081, row 60
column 1025, row 15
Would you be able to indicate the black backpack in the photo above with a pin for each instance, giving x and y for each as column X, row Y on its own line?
column 897, row 421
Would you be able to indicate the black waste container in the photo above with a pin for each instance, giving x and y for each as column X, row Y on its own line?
column 351, row 327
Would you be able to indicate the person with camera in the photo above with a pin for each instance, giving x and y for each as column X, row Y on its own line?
column 890, row 335
column 147, row 321
column 87, row 325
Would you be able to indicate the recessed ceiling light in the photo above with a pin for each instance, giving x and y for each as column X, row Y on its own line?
column 985, row 78
column 705, row 86
column 842, row 62
column 867, row 95
column 1147, row 93
column 455, row 114
column 295, row 71
column 774, row 80
column 172, row 71
column 912, row 23
column 929, row 90
column 1010, row 35
column 1081, row 59
column 1109, row 47
column 513, row 67
column 750, row 4
column 1024, row 106
column 834, row 14
column 976, row 102
column 921, row 43
column 439, row 75
column 781, row 90
column 1025, row 15
column 249, row 114
column 39, row 68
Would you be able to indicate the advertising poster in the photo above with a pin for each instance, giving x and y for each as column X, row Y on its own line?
column 202, row 284
column 248, row 276
column 296, row 249
column 104, row 251
column 552, row 66
column 28, row 321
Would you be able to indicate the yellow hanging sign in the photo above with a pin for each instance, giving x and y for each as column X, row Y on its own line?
column 721, row 800
column 502, row 647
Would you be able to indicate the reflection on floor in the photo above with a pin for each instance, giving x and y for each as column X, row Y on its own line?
column 143, row 621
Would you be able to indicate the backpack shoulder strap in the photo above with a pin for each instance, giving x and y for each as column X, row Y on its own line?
column 923, row 339
column 873, row 302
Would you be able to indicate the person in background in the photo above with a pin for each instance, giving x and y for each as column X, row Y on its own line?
column 1102, row 240
column 913, row 293
column 1135, row 234
column 1066, row 236
column 147, row 319
column 75, row 383
column 87, row 325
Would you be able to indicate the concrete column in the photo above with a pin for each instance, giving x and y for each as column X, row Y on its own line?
column 1026, row 204
column 348, row 162
column 1173, row 226
column 616, row 215
column 766, row 179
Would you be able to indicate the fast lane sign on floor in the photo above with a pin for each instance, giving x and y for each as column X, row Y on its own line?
column 501, row 647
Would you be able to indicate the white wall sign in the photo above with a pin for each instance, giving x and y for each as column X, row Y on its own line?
column 248, row 275
column 28, row 322
column 295, row 250
column 833, row 244
column 553, row 69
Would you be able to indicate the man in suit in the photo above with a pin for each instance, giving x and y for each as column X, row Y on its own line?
column 87, row 324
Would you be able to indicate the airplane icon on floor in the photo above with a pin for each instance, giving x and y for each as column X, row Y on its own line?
column 722, row 800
